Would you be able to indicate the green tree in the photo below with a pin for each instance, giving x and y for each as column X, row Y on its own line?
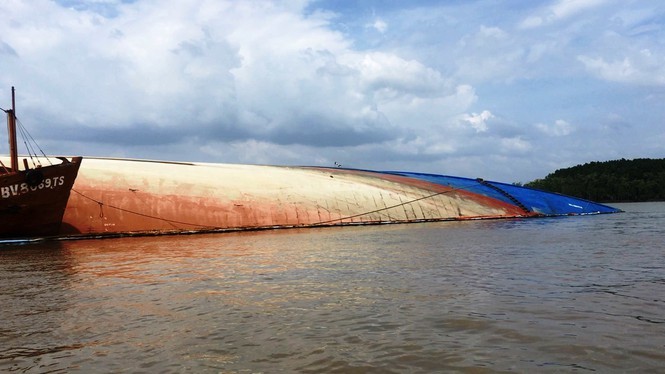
column 641, row 179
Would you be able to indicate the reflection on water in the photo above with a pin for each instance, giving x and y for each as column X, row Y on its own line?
column 562, row 294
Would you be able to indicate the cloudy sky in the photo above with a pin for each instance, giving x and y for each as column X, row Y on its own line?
column 507, row 90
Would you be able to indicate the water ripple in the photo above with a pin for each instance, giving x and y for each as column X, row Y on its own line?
column 576, row 294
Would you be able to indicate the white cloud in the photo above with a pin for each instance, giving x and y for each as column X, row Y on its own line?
column 559, row 11
column 379, row 25
column 567, row 8
column 515, row 145
column 641, row 68
column 478, row 121
column 254, row 72
column 559, row 128
column 532, row 22
column 492, row 32
column 489, row 53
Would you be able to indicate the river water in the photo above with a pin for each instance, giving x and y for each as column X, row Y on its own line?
column 571, row 294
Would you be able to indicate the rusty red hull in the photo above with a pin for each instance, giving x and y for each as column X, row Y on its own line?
column 134, row 197
column 33, row 202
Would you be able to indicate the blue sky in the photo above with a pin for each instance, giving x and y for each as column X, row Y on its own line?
column 504, row 90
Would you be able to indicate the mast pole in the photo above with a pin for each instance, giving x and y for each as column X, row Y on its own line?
column 11, row 126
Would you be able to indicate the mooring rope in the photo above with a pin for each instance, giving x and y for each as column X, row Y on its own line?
column 170, row 221
column 452, row 189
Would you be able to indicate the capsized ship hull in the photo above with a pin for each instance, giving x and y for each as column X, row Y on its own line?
column 113, row 197
column 138, row 197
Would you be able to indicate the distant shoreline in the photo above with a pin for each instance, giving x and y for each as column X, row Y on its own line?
column 638, row 180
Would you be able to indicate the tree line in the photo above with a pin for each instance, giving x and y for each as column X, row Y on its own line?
column 641, row 179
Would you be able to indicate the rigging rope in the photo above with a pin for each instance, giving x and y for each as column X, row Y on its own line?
column 27, row 146
column 28, row 139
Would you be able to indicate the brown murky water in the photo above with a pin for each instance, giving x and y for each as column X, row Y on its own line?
column 575, row 294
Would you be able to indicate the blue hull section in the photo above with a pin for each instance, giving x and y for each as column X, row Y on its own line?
column 531, row 200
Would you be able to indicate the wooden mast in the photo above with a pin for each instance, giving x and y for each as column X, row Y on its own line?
column 11, row 127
